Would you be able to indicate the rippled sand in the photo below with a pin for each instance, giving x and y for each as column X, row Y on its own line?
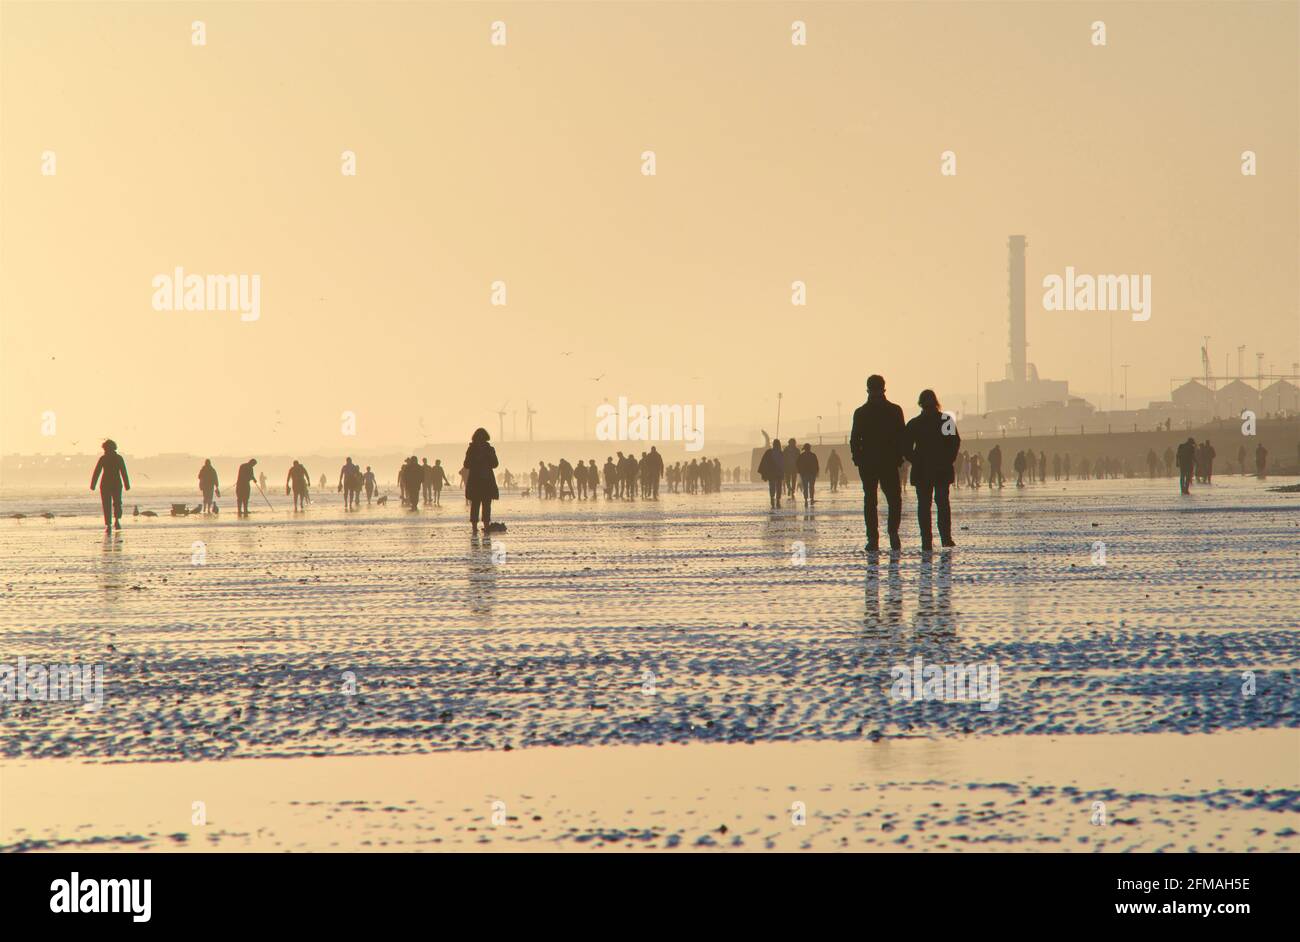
column 695, row 619
column 1009, row 793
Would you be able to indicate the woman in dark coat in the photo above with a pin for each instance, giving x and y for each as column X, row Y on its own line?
column 480, row 482
column 931, row 444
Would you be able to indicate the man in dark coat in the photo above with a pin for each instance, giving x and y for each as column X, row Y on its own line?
column 1186, row 459
column 110, row 474
column 931, row 445
column 876, row 444
column 772, row 470
column 808, row 467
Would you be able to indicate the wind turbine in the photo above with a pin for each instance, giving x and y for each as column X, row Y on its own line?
column 529, row 412
column 501, row 421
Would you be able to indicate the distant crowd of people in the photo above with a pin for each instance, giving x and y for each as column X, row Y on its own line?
column 888, row 452
column 625, row 478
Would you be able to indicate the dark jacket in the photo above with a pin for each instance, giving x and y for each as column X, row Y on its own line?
column 480, row 482
column 876, row 442
column 112, row 469
column 929, row 450
column 771, row 466
column 808, row 465
column 1186, row 455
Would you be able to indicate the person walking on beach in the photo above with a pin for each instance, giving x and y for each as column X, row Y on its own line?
column 654, row 470
column 297, row 479
column 1186, row 458
column 208, row 483
column 876, row 446
column 345, row 482
column 110, row 474
column 834, row 470
column 611, row 476
column 808, row 467
column 772, row 470
column 1261, row 460
column 931, row 443
column 995, row 466
column 480, row 482
column 426, row 481
column 1019, row 465
column 1209, row 453
column 370, row 484
column 790, row 462
column 244, row 486
column 440, row 480
column 412, row 481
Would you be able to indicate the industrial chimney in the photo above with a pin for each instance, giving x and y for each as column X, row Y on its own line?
column 1016, row 369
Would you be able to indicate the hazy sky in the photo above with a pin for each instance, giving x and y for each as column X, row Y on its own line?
column 522, row 163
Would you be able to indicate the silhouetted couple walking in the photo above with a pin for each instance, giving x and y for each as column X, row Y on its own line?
column 879, row 443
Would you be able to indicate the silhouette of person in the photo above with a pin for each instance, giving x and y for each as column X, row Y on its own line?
column 480, row 482
column 772, row 470
column 110, row 474
column 1209, row 454
column 654, row 470
column 593, row 478
column 995, row 466
column 1261, row 461
column 440, row 479
column 297, row 480
column 371, row 485
column 208, row 483
column 808, row 467
column 611, row 476
column 427, row 480
column 324, row 482
column 931, row 444
column 834, row 469
column 790, row 462
column 876, row 445
column 413, row 478
column 1186, row 458
column 244, row 486
column 345, row 482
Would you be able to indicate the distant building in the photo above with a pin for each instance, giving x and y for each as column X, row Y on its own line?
column 1235, row 398
column 1022, row 387
column 1194, row 396
column 1280, row 397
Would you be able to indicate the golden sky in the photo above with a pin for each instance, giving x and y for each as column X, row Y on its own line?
column 477, row 163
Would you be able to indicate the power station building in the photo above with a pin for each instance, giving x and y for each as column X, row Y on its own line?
column 1022, row 388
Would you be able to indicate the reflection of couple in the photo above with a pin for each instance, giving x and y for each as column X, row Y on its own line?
column 931, row 616
column 879, row 444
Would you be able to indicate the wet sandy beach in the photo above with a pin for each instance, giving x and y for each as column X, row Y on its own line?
column 697, row 620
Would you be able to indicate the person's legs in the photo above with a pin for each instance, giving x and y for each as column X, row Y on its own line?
column 924, row 493
column 945, row 514
column 869, row 508
column 487, row 512
column 894, row 496
column 774, row 491
column 106, row 501
column 473, row 512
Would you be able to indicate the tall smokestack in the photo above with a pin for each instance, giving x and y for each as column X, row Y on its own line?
column 1016, row 369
